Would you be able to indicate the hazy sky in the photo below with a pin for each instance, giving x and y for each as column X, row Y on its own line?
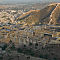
column 21, row 1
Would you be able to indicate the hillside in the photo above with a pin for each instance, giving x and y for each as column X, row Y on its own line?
column 48, row 15
column 55, row 16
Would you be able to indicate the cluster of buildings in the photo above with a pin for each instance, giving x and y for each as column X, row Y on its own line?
column 9, row 16
column 45, row 35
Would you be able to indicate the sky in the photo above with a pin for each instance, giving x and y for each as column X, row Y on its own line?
column 27, row 1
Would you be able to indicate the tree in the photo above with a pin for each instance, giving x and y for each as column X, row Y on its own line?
column 13, row 47
column 10, row 41
column 19, row 50
column 36, row 44
column 30, row 44
column 4, row 47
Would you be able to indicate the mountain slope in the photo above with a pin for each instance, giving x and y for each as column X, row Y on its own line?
column 48, row 15
column 55, row 16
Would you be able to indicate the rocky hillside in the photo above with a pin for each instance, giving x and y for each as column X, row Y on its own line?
column 48, row 15
column 55, row 16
